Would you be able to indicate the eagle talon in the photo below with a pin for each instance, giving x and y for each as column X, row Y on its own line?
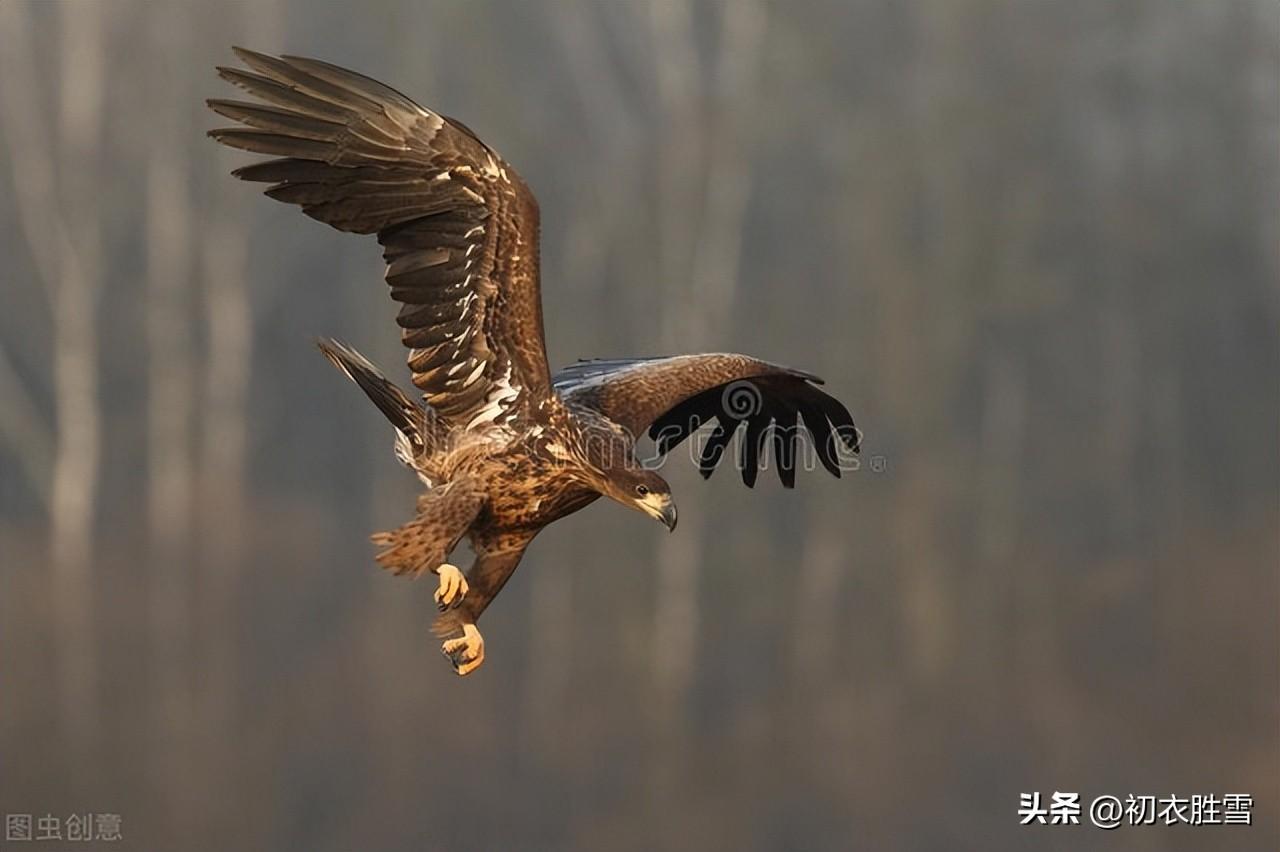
column 453, row 587
column 466, row 652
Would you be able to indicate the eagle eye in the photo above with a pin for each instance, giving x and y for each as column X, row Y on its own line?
column 642, row 490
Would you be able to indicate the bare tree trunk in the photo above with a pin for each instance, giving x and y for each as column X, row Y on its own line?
column 703, row 179
column 675, row 618
column 676, row 68
column 706, row 242
column 169, row 408
column 1003, row 426
column 67, row 253
column 223, row 449
column 75, row 475
column 822, row 569
column 550, row 633
column 224, row 446
column 993, row 594
column 23, row 428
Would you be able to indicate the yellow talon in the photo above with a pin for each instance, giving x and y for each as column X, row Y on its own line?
column 466, row 652
column 453, row 586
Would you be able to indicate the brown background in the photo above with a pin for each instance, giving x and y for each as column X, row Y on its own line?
column 1033, row 245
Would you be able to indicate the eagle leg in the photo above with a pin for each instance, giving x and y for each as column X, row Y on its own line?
column 497, row 555
column 453, row 586
column 466, row 652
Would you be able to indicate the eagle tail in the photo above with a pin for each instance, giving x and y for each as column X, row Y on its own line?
column 412, row 419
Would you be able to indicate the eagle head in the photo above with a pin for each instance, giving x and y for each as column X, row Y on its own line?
column 644, row 490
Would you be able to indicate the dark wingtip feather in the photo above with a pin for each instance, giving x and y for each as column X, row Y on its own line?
column 854, row 439
column 786, row 468
column 751, row 452
column 792, row 372
column 820, row 432
column 842, row 420
column 785, row 435
column 716, row 444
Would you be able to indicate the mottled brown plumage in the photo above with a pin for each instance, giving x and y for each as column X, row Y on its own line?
column 502, row 446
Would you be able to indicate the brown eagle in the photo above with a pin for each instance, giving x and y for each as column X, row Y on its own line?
column 503, row 446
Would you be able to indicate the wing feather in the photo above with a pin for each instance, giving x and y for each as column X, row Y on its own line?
column 458, row 226
column 716, row 444
column 673, row 397
column 751, row 451
column 785, row 437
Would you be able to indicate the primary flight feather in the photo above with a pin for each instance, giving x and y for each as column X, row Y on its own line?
column 503, row 446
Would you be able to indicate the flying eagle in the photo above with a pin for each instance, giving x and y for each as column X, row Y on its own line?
column 503, row 446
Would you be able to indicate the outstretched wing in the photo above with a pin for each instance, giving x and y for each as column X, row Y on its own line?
column 458, row 226
column 672, row 397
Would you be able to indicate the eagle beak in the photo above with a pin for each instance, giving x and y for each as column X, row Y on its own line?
column 669, row 516
column 660, row 507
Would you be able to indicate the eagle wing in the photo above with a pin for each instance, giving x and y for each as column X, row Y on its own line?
column 674, row 396
column 458, row 226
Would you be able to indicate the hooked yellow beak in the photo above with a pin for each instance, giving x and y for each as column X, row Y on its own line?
column 669, row 516
column 661, row 508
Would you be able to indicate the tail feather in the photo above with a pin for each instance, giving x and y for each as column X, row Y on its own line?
column 410, row 417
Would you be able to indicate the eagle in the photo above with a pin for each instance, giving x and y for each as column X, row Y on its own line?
column 502, row 445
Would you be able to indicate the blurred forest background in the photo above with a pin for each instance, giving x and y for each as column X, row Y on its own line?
column 1032, row 244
